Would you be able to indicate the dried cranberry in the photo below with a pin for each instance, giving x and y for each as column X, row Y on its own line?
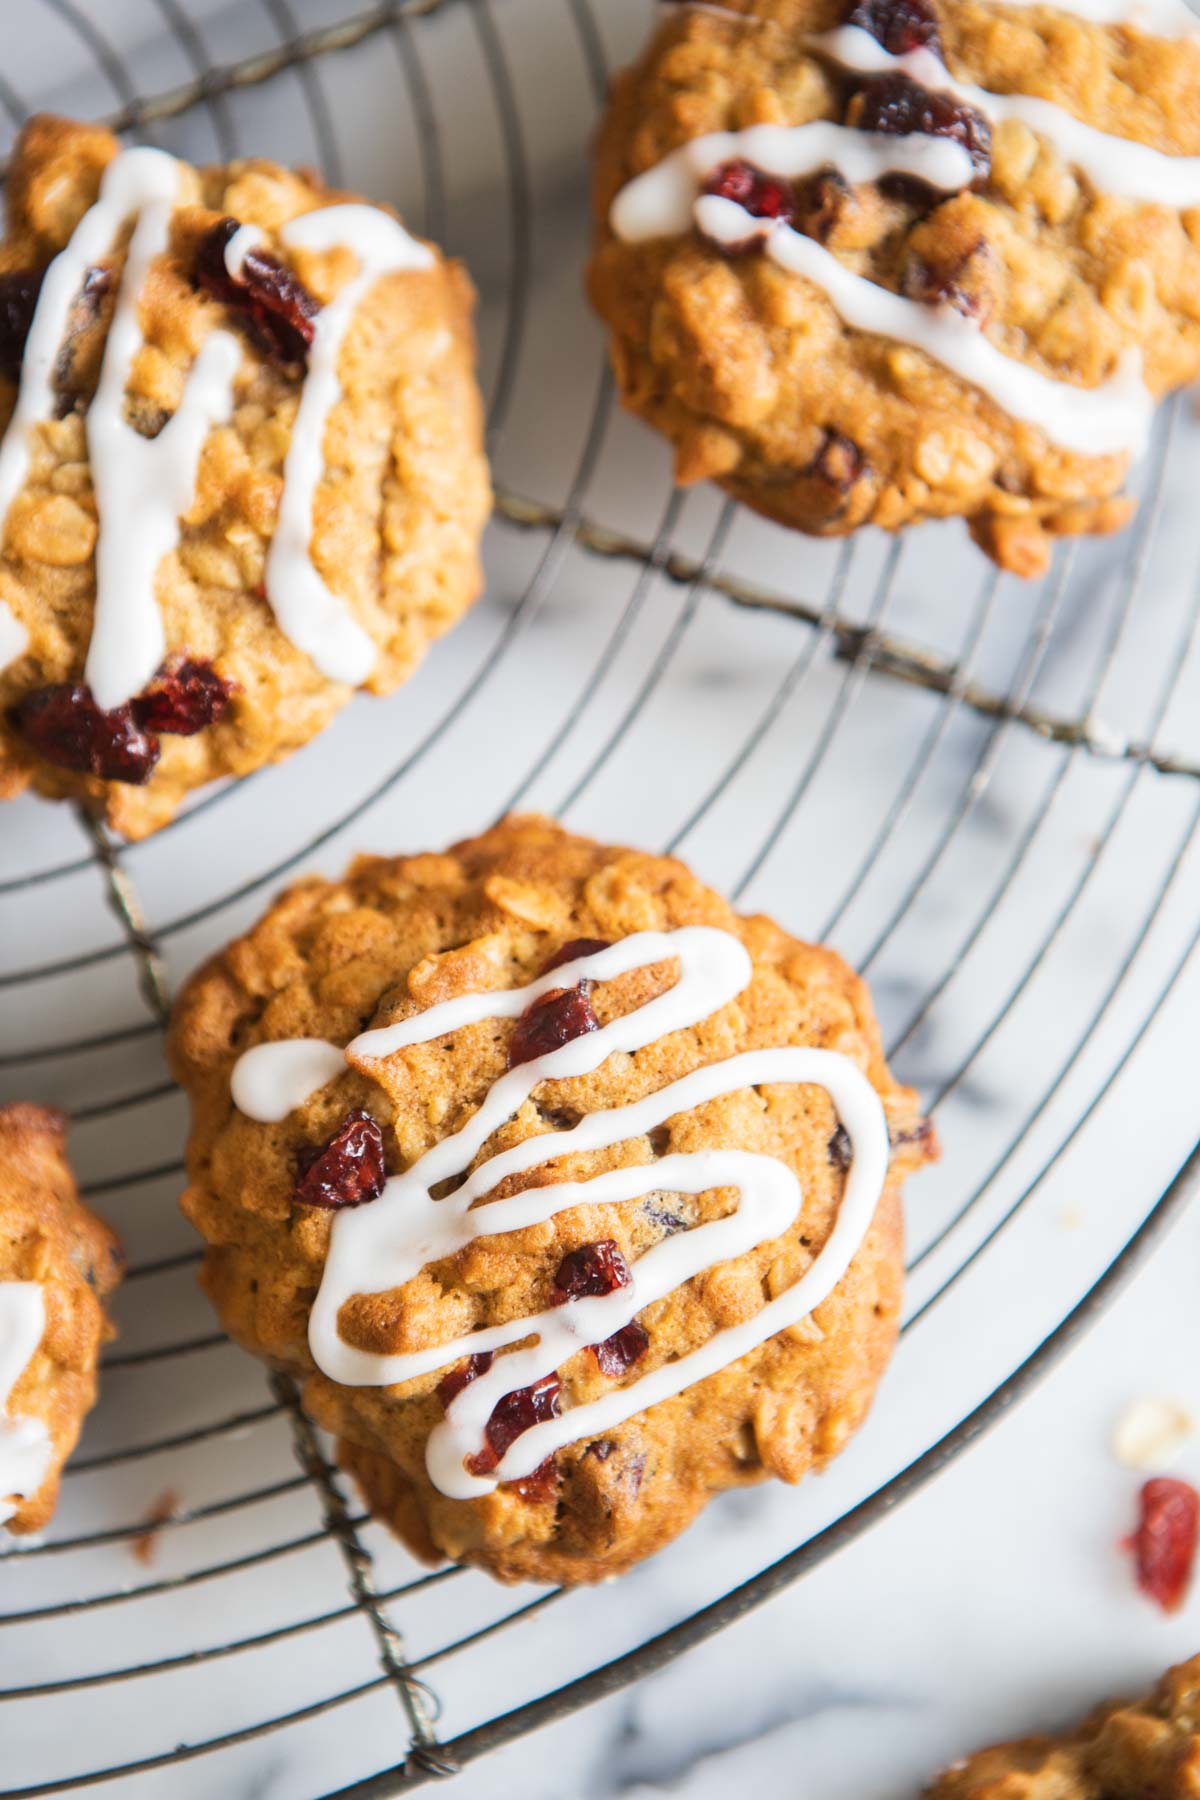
column 620, row 1351
column 277, row 308
column 594, row 1269
column 65, row 726
column 347, row 1171
column 822, row 203
column 900, row 107
column 899, row 25
column 840, row 1150
column 838, row 463
column 761, row 195
column 1164, row 1544
column 549, row 1023
column 576, row 947
column 541, row 1486
column 19, row 292
column 462, row 1375
column 183, row 698
column 516, row 1413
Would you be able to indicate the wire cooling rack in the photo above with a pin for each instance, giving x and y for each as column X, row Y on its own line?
column 986, row 793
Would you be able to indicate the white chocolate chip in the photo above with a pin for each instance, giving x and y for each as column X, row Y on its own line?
column 1152, row 1431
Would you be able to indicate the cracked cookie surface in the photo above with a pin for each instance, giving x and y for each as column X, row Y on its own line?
column 398, row 936
column 397, row 510
column 749, row 368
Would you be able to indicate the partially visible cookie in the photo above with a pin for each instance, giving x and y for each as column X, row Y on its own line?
column 58, row 1263
column 262, row 490
column 393, row 1079
column 1137, row 1750
column 878, row 261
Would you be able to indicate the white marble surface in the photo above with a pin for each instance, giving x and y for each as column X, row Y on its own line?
column 1027, row 913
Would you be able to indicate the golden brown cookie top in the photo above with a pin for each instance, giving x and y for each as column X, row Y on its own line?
column 986, row 341
column 380, row 951
column 264, row 489
column 58, row 1263
column 1141, row 1750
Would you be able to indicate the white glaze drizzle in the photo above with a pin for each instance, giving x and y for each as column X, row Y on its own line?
column 271, row 1080
column 381, row 1245
column 660, row 201
column 308, row 612
column 1157, row 18
column 1112, row 417
column 1114, row 165
column 26, row 1450
column 144, row 485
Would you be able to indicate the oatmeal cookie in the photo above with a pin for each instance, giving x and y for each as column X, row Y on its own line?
column 242, row 471
column 340, row 1191
column 1141, row 1750
column 940, row 260
column 58, row 1263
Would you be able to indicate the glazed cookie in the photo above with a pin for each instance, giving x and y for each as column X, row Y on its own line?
column 875, row 261
column 241, row 474
column 1146, row 1750
column 687, row 1272
column 57, row 1265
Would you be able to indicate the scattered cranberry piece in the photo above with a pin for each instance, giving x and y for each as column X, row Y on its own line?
column 620, row 1351
column 516, row 1413
column 900, row 107
column 183, row 698
column 278, row 309
column 549, row 1023
column 839, row 462
column 462, row 1375
column 1164, row 1543
column 761, row 195
column 594, row 1269
column 899, row 25
column 576, row 947
column 64, row 725
column 347, row 1171
column 19, row 292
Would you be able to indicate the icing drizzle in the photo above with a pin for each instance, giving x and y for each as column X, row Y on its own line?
column 1117, row 165
column 384, row 1244
column 26, row 1451
column 660, row 201
column 143, row 486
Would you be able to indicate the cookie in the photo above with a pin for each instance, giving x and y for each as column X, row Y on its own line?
column 58, row 1263
column 687, row 1272
column 1142, row 1750
column 877, row 261
column 241, row 473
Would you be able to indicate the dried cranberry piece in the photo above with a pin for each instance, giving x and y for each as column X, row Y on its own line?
column 899, row 25
column 277, row 308
column 839, row 462
column 65, row 726
column 511, row 1416
column 762, row 196
column 593, row 1269
column 900, row 107
column 549, row 1023
column 576, row 947
column 620, row 1351
column 19, row 292
column 840, row 1150
column 462, row 1375
column 184, row 697
column 347, row 1171
column 542, row 1485
column 1164, row 1543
